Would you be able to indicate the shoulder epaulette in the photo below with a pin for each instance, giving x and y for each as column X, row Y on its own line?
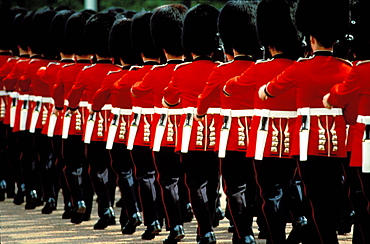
column 88, row 67
column 158, row 66
column 305, row 59
column 261, row 61
column 68, row 65
column 218, row 62
column 181, row 65
column 225, row 63
column 362, row 62
column 113, row 72
column 345, row 61
column 52, row 63
column 13, row 58
column 118, row 65
column 34, row 60
column 23, row 60
column 135, row 67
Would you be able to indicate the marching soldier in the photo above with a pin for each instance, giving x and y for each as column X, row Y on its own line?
column 166, row 28
column 355, row 87
column 319, row 135
column 142, row 110
column 237, row 171
column 120, row 47
column 73, row 148
column 196, row 139
column 88, row 82
column 273, row 122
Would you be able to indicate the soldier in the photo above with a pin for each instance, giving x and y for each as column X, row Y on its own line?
column 270, row 150
column 73, row 148
column 120, row 47
column 89, row 81
column 196, row 139
column 319, row 135
column 166, row 28
column 142, row 109
column 237, row 171
column 355, row 87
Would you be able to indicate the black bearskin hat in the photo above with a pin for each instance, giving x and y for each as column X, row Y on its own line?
column 200, row 35
column 237, row 26
column 166, row 28
column 75, row 33
column 326, row 20
column 57, row 31
column 276, row 27
column 19, row 30
column 120, row 45
column 6, row 24
column 97, row 33
column 141, row 37
column 40, row 31
column 360, row 25
column 114, row 11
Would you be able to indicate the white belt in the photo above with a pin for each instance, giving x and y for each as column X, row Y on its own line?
column 238, row 112
column 32, row 98
column 83, row 104
column 276, row 114
column 3, row 93
column 13, row 94
column 174, row 111
column 107, row 107
column 124, row 111
column 363, row 119
column 322, row 111
column 147, row 111
column 48, row 100
column 213, row 111
column 23, row 97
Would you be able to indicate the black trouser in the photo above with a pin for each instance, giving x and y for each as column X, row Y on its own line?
column 49, row 175
column 99, row 161
column 60, row 165
column 123, row 167
column 322, row 184
column 29, row 162
column 170, row 170
column 202, row 178
column 13, row 155
column 76, row 170
column 4, row 165
column 274, row 177
column 240, row 188
column 146, row 176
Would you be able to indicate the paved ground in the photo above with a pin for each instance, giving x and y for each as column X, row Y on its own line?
column 30, row 226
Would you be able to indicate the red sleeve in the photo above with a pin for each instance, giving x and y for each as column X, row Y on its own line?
column 58, row 93
column 342, row 93
column 142, row 87
column 171, row 94
column 242, row 83
column 6, row 69
column 10, row 81
column 76, row 92
column 102, row 95
column 24, row 82
column 282, row 82
column 210, row 92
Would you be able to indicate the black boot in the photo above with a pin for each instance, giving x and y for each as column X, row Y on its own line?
column 151, row 230
column 31, row 200
column 106, row 219
column 68, row 211
column 78, row 212
column 176, row 234
column 131, row 224
column 49, row 207
column 2, row 190
column 19, row 197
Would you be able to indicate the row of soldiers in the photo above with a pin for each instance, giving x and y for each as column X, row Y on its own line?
column 122, row 106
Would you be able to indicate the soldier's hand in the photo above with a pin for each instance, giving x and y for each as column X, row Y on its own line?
column 55, row 111
column 199, row 119
column 91, row 111
column 262, row 94
column 164, row 104
column 325, row 101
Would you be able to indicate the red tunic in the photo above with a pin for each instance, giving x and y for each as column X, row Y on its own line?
column 49, row 76
column 312, row 78
column 213, row 91
column 122, row 92
column 11, row 85
column 188, row 82
column 355, row 87
column 102, row 97
column 88, row 81
column 250, row 81
column 154, row 82
column 5, row 69
column 65, row 80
